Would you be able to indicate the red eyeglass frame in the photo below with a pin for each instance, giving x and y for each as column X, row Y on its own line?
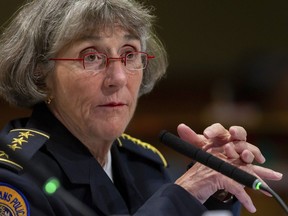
column 123, row 59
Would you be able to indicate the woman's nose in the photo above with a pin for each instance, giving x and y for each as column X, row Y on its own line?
column 116, row 73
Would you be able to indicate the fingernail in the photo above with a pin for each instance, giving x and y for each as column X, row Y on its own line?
column 208, row 133
column 279, row 175
column 253, row 209
column 263, row 159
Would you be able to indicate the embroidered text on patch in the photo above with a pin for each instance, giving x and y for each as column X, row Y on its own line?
column 12, row 201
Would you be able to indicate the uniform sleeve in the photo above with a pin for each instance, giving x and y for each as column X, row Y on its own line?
column 233, row 205
column 171, row 200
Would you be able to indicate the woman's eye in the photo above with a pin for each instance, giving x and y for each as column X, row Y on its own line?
column 131, row 56
column 91, row 57
column 94, row 57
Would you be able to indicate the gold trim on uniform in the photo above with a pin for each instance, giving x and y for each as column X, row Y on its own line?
column 29, row 130
column 11, row 162
column 144, row 145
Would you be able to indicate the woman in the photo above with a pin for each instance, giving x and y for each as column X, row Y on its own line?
column 90, row 61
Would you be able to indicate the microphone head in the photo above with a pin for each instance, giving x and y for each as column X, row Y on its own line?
column 162, row 134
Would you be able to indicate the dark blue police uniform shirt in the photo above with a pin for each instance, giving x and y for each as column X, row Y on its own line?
column 141, row 184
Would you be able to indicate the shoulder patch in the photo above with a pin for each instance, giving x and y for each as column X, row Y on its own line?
column 144, row 145
column 24, row 142
column 12, row 201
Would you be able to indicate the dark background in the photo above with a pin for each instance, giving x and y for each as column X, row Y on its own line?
column 228, row 64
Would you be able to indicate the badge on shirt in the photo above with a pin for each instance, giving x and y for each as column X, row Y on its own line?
column 12, row 201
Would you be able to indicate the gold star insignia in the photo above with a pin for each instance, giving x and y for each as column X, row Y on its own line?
column 19, row 140
column 25, row 134
column 14, row 147
column 3, row 155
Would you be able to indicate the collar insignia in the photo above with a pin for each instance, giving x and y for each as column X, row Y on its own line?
column 22, row 141
column 146, row 149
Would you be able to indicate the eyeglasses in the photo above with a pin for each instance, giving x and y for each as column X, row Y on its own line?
column 95, row 61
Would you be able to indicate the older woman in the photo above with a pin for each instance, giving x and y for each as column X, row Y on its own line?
column 81, row 65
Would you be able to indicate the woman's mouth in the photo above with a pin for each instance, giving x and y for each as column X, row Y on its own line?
column 113, row 104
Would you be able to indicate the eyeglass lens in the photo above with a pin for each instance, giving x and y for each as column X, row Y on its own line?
column 98, row 61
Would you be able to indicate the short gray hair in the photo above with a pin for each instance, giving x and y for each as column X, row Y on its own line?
column 42, row 28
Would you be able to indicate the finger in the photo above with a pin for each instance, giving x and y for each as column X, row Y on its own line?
column 188, row 135
column 241, row 146
column 238, row 133
column 230, row 151
column 238, row 190
column 266, row 173
column 217, row 134
column 246, row 200
column 216, row 131
column 247, row 156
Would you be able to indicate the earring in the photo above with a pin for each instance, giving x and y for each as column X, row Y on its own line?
column 49, row 100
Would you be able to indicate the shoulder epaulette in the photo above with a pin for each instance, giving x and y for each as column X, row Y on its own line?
column 22, row 143
column 138, row 146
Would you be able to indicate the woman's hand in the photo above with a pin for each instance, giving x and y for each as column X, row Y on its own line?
column 229, row 145
column 202, row 182
column 231, row 142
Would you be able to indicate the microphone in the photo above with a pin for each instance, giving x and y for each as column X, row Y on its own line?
column 209, row 160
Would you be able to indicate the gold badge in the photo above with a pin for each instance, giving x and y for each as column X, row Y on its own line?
column 12, row 201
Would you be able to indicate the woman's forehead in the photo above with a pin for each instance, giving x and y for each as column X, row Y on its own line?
column 98, row 34
column 102, row 35
column 110, row 31
column 102, row 39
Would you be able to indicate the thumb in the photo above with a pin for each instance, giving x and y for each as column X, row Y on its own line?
column 188, row 135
